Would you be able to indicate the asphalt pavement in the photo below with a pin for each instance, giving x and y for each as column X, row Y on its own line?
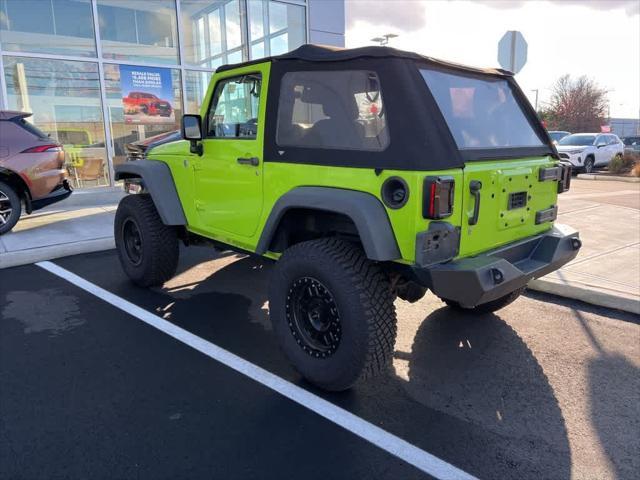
column 546, row 388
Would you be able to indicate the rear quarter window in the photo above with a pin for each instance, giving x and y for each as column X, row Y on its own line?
column 333, row 110
column 32, row 129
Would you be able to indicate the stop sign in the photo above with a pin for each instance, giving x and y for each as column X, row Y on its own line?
column 512, row 51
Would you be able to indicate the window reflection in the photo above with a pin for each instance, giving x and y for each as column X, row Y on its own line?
column 139, row 30
column 275, row 27
column 64, row 97
column 212, row 31
column 196, row 83
column 52, row 26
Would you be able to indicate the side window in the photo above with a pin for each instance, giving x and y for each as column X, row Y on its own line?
column 233, row 113
column 613, row 140
column 333, row 110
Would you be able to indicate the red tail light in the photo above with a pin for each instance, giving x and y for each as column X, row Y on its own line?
column 438, row 197
column 43, row 148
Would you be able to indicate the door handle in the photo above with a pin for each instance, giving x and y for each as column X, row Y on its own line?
column 475, row 186
column 253, row 161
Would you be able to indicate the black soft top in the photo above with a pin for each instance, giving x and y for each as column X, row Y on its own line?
column 323, row 53
column 419, row 136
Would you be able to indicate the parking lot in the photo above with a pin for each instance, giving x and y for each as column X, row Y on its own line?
column 546, row 388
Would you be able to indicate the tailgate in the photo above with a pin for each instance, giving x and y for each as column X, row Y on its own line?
column 508, row 201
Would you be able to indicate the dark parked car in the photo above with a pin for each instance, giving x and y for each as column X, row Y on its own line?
column 557, row 135
column 631, row 144
column 31, row 169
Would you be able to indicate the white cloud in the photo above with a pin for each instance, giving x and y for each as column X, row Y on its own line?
column 632, row 7
column 569, row 38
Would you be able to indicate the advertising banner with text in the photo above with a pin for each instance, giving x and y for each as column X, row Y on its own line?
column 147, row 94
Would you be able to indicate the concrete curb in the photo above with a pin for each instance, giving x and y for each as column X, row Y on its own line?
column 50, row 252
column 92, row 197
column 594, row 297
column 611, row 178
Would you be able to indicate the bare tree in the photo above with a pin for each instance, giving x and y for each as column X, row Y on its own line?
column 578, row 105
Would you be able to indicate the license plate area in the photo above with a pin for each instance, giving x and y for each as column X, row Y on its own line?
column 516, row 191
column 517, row 200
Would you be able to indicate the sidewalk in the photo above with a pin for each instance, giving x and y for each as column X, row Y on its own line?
column 607, row 269
column 82, row 223
column 607, row 214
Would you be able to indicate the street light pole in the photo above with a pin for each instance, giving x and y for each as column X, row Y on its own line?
column 536, row 103
column 384, row 39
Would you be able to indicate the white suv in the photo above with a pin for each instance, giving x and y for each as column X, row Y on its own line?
column 586, row 151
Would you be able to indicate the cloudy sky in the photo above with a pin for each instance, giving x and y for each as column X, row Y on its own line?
column 598, row 38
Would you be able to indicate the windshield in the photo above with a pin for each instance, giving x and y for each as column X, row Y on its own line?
column 577, row 140
column 481, row 112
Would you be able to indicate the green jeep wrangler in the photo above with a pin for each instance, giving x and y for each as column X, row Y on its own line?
column 368, row 174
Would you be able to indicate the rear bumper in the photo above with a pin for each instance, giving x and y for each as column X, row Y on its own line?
column 480, row 279
column 58, row 194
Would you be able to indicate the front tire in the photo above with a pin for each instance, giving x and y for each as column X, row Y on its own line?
column 10, row 208
column 147, row 248
column 333, row 313
column 488, row 307
column 589, row 165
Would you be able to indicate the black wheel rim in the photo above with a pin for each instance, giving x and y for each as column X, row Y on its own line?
column 588, row 167
column 132, row 240
column 313, row 317
column 6, row 210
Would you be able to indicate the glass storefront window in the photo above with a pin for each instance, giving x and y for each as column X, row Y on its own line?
column 142, row 102
column 139, row 30
column 138, row 43
column 64, row 97
column 196, row 88
column 232, row 23
column 275, row 27
column 213, row 32
column 53, row 26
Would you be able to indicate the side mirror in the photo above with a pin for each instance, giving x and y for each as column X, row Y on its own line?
column 601, row 144
column 192, row 131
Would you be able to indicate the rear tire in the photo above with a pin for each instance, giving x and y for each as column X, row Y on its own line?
column 333, row 313
column 10, row 208
column 488, row 307
column 147, row 248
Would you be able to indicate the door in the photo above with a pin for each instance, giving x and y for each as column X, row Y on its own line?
column 228, row 176
column 602, row 150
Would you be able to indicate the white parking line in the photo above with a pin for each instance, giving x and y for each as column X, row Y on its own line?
column 386, row 441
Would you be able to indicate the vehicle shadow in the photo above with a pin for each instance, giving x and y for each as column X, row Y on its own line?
column 478, row 370
column 614, row 391
column 472, row 392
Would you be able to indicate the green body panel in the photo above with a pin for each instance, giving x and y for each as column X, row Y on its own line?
column 497, row 225
column 230, row 203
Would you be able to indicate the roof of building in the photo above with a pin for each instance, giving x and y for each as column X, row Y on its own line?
column 321, row 53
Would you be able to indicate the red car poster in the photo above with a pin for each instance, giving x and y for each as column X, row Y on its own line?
column 147, row 94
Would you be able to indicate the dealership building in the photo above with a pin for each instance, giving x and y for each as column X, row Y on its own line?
column 98, row 74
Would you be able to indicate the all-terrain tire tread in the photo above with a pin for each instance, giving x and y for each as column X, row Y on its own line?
column 375, row 294
column 162, row 241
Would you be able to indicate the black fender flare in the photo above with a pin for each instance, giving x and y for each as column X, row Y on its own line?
column 365, row 210
column 157, row 180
